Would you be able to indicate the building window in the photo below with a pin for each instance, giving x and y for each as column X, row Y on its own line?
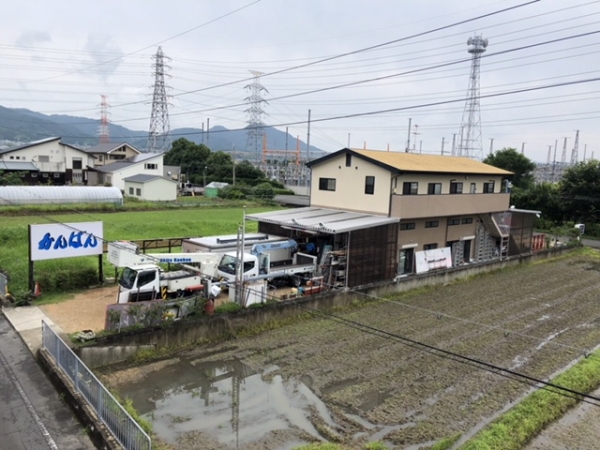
column 130, row 191
column 138, row 192
column 429, row 246
column 43, row 158
column 100, row 157
column 454, row 221
column 45, row 175
column 12, row 157
column 407, row 226
column 456, row 188
column 410, row 188
column 348, row 160
column 17, row 157
column 148, row 166
column 473, row 188
column 432, row 224
column 369, row 185
column 467, row 220
column 33, row 174
column 77, row 164
column 327, row 184
column 488, row 188
column 434, row 188
column 56, row 175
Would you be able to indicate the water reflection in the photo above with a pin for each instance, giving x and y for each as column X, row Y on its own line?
column 226, row 400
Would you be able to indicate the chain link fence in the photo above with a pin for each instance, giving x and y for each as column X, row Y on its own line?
column 124, row 428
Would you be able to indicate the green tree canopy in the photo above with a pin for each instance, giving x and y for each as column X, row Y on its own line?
column 190, row 156
column 10, row 179
column 580, row 192
column 510, row 159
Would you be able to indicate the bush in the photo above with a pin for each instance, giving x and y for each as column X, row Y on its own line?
column 228, row 308
column 231, row 193
column 264, row 191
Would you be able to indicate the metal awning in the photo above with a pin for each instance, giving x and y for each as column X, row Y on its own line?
column 332, row 221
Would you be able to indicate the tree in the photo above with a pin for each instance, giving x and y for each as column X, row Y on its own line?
column 544, row 197
column 220, row 167
column 263, row 191
column 580, row 192
column 10, row 179
column 510, row 159
column 190, row 156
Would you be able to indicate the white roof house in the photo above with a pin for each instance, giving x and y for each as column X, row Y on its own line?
column 110, row 152
column 151, row 188
column 115, row 173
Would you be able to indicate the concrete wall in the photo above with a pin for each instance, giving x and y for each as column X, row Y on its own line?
column 219, row 327
column 159, row 189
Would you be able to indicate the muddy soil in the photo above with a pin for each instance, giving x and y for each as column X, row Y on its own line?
column 535, row 319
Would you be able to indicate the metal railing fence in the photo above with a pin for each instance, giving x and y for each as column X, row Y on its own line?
column 124, row 428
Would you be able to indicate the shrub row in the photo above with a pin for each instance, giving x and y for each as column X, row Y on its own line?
column 65, row 280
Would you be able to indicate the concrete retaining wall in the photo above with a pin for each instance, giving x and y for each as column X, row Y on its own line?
column 117, row 348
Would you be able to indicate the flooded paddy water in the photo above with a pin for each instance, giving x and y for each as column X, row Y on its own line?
column 320, row 380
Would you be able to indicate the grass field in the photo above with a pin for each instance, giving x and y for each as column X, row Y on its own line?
column 117, row 226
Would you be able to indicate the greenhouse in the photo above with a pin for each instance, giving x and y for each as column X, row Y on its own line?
column 44, row 195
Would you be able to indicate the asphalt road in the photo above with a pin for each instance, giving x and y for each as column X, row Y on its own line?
column 32, row 415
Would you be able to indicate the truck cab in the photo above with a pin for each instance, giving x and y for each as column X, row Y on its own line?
column 229, row 263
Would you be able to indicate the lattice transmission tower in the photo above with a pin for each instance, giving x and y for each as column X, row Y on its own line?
column 255, row 133
column 470, row 144
column 103, row 131
column 159, row 134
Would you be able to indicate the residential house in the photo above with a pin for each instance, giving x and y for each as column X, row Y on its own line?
column 47, row 161
column 114, row 174
column 372, row 211
column 110, row 152
column 150, row 188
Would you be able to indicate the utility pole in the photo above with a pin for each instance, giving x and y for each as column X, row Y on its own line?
column 453, row 144
column 348, row 140
column 420, row 147
column 584, row 152
column 491, row 146
column 309, row 181
column 415, row 134
column 443, row 139
column 202, row 133
column 554, row 161
column 408, row 140
column 208, row 133
column 523, row 148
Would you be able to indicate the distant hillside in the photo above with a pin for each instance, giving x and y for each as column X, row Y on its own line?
column 23, row 125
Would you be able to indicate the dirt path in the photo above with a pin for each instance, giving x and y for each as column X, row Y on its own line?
column 380, row 387
column 84, row 312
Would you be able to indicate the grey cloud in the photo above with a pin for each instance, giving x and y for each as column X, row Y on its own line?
column 105, row 56
column 30, row 38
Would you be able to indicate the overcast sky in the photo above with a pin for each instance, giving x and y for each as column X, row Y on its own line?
column 60, row 56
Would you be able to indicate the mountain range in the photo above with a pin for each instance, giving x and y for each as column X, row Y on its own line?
column 20, row 126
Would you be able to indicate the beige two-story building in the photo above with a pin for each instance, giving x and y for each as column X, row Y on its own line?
column 378, row 209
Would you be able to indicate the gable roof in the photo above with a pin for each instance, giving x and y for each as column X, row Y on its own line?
column 145, row 178
column 30, row 144
column 414, row 162
column 107, row 147
column 41, row 141
column 217, row 184
column 118, row 165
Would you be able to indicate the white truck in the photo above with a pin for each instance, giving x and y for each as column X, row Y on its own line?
column 144, row 279
column 226, row 243
column 278, row 262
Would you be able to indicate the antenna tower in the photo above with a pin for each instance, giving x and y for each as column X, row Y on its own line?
column 158, row 135
column 255, row 112
column 470, row 127
column 103, row 132
column 563, row 158
column 574, row 152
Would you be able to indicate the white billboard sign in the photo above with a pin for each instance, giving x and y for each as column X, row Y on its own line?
column 65, row 240
column 438, row 258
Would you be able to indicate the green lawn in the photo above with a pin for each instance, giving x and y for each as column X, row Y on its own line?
column 127, row 225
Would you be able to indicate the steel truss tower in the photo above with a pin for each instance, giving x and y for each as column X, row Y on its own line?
column 255, row 113
column 103, row 132
column 470, row 127
column 158, row 136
